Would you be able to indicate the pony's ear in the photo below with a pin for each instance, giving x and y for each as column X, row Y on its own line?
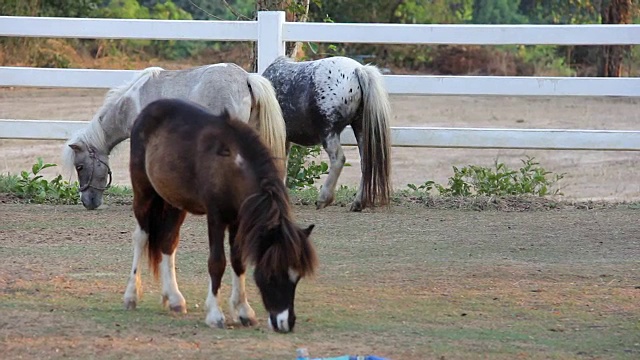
column 308, row 229
column 76, row 147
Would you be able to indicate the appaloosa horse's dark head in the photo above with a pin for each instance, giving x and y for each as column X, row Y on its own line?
column 94, row 174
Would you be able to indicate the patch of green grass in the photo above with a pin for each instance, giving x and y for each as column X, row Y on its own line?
column 473, row 180
column 308, row 195
column 8, row 182
column 33, row 187
column 399, row 284
column 302, row 169
column 118, row 194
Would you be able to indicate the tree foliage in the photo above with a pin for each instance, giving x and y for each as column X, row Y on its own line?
column 55, row 8
column 497, row 12
column 417, row 57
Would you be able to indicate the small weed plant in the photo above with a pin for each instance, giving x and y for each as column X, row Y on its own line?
column 32, row 187
column 530, row 179
column 302, row 172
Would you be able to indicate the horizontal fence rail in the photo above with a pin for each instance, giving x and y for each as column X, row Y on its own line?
column 395, row 84
column 95, row 28
column 432, row 137
column 25, row 26
column 464, row 34
column 271, row 31
column 69, row 78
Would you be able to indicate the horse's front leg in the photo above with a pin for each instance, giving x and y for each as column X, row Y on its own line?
column 239, row 307
column 134, row 285
column 217, row 264
column 337, row 159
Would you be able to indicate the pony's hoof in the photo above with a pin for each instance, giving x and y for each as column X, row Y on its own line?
column 215, row 320
column 216, row 324
column 322, row 204
column 356, row 207
column 130, row 304
column 248, row 321
column 180, row 309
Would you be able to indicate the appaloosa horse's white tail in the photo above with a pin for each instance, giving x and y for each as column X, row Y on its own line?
column 376, row 157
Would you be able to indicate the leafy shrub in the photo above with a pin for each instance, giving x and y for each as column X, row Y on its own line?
column 530, row 179
column 301, row 172
column 546, row 60
column 34, row 188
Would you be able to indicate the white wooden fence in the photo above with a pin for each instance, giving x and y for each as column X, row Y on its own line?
column 271, row 32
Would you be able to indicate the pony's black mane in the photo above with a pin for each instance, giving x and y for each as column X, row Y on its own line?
column 266, row 215
column 258, row 155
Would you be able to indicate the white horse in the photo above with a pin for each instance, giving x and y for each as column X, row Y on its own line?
column 248, row 97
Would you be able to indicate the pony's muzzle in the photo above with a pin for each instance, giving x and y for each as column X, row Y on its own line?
column 282, row 322
column 91, row 200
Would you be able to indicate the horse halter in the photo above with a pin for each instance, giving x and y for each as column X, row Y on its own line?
column 92, row 155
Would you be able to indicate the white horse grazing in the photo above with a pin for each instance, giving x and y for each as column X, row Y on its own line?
column 248, row 97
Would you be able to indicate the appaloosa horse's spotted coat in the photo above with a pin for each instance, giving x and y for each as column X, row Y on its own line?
column 319, row 99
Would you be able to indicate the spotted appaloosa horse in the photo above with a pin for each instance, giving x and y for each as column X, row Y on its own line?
column 184, row 159
column 319, row 99
column 247, row 97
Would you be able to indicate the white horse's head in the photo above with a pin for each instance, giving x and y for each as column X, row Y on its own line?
column 92, row 167
column 87, row 152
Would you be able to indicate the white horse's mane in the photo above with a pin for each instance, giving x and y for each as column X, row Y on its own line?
column 94, row 135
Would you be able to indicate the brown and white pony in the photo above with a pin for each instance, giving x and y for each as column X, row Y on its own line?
column 247, row 97
column 186, row 160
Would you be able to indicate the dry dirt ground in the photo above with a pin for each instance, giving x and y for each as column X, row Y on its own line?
column 405, row 283
column 589, row 174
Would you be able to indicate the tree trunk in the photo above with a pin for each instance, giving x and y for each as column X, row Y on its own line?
column 295, row 11
column 613, row 12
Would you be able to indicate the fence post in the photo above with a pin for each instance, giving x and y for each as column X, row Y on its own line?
column 270, row 43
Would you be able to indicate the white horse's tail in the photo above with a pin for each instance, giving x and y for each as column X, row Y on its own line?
column 376, row 152
column 271, row 126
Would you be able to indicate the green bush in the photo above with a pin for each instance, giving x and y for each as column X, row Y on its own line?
column 32, row 187
column 546, row 60
column 302, row 172
column 530, row 179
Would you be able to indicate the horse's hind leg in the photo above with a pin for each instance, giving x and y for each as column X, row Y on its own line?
column 217, row 264
column 171, row 296
column 356, row 125
column 337, row 159
column 239, row 307
column 134, row 285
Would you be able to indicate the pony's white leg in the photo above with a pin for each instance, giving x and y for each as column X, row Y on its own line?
column 171, row 296
column 134, row 285
column 239, row 307
column 337, row 159
column 215, row 317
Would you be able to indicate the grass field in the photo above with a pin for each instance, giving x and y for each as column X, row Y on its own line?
column 405, row 283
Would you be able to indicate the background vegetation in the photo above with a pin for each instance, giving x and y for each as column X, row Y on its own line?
column 480, row 60
column 448, row 60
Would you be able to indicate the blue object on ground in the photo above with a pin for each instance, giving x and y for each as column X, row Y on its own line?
column 303, row 354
